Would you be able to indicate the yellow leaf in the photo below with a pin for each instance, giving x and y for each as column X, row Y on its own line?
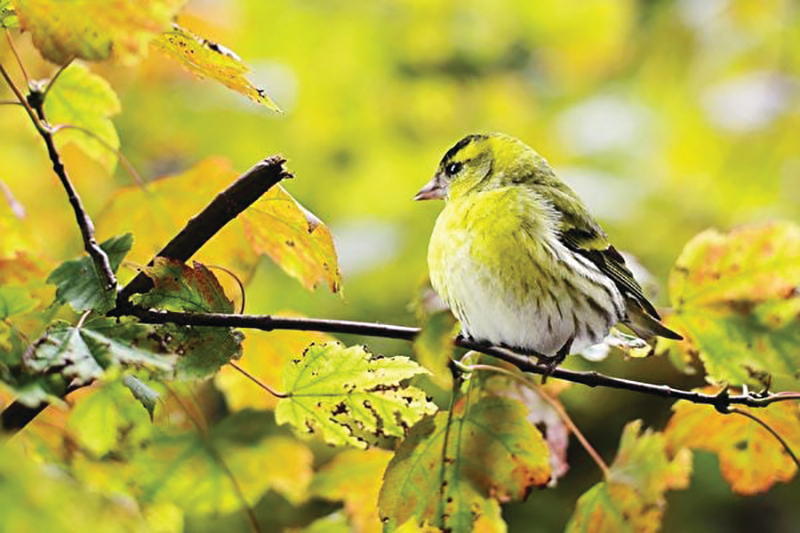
column 209, row 59
column 277, row 225
column 751, row 458
column 94, row 29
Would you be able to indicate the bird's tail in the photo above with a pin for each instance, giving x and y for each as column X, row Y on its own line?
column 645, row 325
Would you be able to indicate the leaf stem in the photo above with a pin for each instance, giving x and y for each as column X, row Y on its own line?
column 769, row 428
column 16, row 55
column 255, row 380
column 52, row 81
column 122, row 159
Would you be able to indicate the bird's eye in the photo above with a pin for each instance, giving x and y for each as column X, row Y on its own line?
column 453, row 168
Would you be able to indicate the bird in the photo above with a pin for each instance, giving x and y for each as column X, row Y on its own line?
column 520, row 261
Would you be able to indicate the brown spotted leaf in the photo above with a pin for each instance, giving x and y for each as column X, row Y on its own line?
column 94, row 29
column 632, row 499
column 736, row 301
column 493, row 455
column 277, row 225
column 208, row 59
column 751, row 458
column 350, row 396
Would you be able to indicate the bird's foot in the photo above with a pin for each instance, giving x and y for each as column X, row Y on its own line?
column 552, row 362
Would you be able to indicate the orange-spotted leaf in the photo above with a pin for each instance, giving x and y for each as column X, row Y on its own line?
column 632, row 499
column 350, row 395
column 195, row 289
column 354, row 477
column 454, row 471
column 736, row 301
column 209, row 59
column 751, row 458
column 179, row 287
column 277, row 225
column 94, row 29
column 265, row 356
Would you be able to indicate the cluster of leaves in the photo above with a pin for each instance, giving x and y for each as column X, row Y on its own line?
column 413, row 448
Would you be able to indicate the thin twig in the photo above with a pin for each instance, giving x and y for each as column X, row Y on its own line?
column 389, row 331
column 766, row 426
column 255, row 380
column 23, row 102
column 122, row 159
column 239, row 282
column 562, row 414
column 9, row 102
column 99, row 258
column 16, row 55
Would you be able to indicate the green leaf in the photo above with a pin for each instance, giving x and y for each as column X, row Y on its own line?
column 94, row 29
column 179, row 287
column 277, row 225
column 78, row 283
column 196, row 471
column 350, row 396
column 107, row 416
column 452, row 472
column 434, row 347
column 632, row 499
column 142, row 392
column 209, row 59
column 8, row 17
column 14, row 300
column 85, row 100
column 736, row 302
column 182, row 288
column 84, row 353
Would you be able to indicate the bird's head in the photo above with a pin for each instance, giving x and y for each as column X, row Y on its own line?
column 482, row 162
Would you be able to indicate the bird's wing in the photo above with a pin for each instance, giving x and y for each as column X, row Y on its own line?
column 579, row 232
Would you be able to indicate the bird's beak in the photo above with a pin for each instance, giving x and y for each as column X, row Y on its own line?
column 432, row 190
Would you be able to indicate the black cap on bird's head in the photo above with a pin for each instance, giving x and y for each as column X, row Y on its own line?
column 451, row 166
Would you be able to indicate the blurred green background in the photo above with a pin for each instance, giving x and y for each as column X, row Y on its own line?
column 667, row 117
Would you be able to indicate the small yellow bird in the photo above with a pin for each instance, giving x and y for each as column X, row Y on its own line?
column 518, row 258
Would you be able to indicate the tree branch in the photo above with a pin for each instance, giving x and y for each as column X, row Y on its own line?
column 591, row 379
column 199, row 229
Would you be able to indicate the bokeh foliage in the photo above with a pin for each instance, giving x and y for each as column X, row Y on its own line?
column 667, row 117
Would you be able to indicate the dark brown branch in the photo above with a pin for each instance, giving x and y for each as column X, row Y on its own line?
column 199, row 229
column 524, row 363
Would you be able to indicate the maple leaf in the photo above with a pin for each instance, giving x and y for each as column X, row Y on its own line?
column 350, row 395
column 751, row 458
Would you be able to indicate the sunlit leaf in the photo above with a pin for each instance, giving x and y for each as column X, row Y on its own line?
column 84, row 353
column 209, row 59
column 751, row 458
column 736, row 302
column 265, row 356
column 192, row 289
column 197, row 471
column 493, row 454
column 79, row 284
column 160, row 211
column 354, row 477
column 8, row 18
column 333, row 523
column 85, row 100
column 278, row 226
column 632, row 499
column 15, row 300
column 94, row 29
column 349, row 395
